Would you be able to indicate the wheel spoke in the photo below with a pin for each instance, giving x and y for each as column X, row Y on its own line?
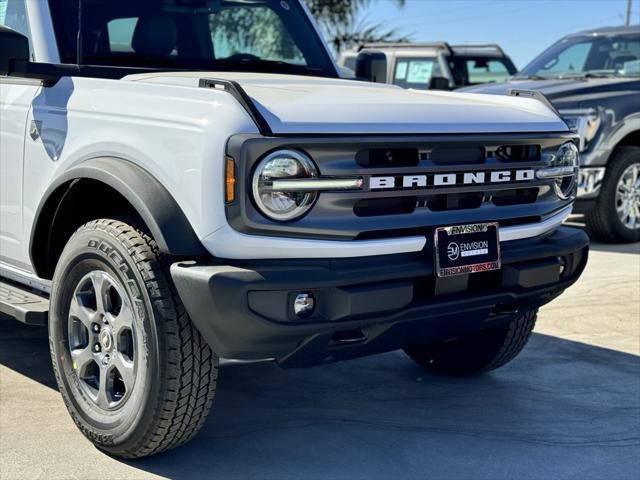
column 124, row 320
column 125, row 369
column 81, row 358
column 100, row 288
column 77, row 310
column 102, row 398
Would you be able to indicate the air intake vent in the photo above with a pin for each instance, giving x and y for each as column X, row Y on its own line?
column 384, row 206
column 518, row 153
column 451, row 201
column 457, row 155
column 388, row 157
column 521, row 196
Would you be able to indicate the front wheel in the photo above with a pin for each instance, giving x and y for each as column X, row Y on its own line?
column 479, row 352
column 616, row 215
column 135, row 375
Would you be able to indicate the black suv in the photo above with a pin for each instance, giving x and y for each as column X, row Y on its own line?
column 593, row 79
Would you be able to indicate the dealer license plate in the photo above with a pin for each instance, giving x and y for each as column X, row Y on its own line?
column 467, row 249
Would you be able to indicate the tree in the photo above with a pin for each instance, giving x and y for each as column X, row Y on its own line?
column 341, row 21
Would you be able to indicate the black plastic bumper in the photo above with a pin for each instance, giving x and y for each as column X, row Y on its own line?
column 368, row 305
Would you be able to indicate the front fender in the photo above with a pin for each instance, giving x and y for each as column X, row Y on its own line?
column 157, row 208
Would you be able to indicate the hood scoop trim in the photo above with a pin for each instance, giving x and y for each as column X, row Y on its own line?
column 235, row 89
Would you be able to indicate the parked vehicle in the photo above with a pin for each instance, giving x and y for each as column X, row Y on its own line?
column 180, row 189
column 593, row 79
column 438, row 65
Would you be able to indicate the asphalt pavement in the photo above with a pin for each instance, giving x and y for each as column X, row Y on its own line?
column 568, row 407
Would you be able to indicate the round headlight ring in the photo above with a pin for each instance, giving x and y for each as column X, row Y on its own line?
column 567, row 156
column 283, row 165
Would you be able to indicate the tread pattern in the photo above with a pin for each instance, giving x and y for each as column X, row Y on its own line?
column 517, row 337
column 191, row 369
column 477, row 353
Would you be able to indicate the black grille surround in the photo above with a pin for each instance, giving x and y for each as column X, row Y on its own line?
column 372, row 214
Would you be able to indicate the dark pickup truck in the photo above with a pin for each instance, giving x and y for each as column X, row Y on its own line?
column 593, row 79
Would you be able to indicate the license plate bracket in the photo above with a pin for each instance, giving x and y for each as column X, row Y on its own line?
column 464, row 249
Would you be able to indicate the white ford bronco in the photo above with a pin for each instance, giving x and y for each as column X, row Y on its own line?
column 189, row 180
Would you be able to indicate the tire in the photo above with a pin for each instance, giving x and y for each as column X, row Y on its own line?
column 603, row 221
column 151, row 385
column 479, row 352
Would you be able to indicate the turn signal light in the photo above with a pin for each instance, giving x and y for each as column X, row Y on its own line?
column 230, row 180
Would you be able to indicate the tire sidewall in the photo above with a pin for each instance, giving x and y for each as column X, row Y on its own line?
column 623, row 159
column 90, row 249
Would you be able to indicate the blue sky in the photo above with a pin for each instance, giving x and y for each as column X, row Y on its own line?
column 522, row 27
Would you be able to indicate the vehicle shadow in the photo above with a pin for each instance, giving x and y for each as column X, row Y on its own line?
column 562, row 409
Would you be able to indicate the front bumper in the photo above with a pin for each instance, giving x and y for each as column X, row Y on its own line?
column 367, row 305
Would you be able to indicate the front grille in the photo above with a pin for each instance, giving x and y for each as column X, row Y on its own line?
column 444, row 202
column 518, row 153
column 457, row 155
column 374, row 207
column 388, row 157
column 521, row 196
column 429, row 181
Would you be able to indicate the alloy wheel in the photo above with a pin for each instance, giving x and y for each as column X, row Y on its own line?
column 102, row 340
column 628, row 197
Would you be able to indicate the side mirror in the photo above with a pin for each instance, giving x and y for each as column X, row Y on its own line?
column 372, row 66
column 13, row 47
column 439, row 83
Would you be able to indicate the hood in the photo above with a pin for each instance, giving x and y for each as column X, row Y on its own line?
column 564, row 89
column 314, row 105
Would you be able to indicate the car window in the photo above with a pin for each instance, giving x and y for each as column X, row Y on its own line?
column 415, row 72
column 120, row 33
column 256, row 31
column 13, row 15
column 486, row 71
column 572, row 59
column 247, row 35
column 260, row 22
column 593, row 55
column 350, row 62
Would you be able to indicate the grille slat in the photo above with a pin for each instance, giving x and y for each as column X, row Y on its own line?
column 444, row 202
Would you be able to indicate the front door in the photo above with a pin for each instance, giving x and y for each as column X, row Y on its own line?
column 16, row 96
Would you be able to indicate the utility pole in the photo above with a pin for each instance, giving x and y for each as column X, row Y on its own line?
column 627, row 18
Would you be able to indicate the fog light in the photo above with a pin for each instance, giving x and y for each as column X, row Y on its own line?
column 304, row 304
column 563, row 265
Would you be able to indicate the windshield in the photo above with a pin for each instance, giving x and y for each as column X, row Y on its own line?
column 273, row 36
column 476, row 70
column 415, row 72
column 588, row 56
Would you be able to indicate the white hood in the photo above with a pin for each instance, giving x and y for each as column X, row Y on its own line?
column 315, row 105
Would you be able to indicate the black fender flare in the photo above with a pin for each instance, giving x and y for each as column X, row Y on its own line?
column 154, row 204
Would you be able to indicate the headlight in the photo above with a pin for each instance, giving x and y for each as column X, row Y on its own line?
column 277, row 166
column 567, row 164
column 585, row 122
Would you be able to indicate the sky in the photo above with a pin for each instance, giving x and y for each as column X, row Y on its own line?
column 523, row 28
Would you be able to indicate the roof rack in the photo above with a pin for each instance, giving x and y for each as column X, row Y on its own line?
column 487, row 46
column 443, row 45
